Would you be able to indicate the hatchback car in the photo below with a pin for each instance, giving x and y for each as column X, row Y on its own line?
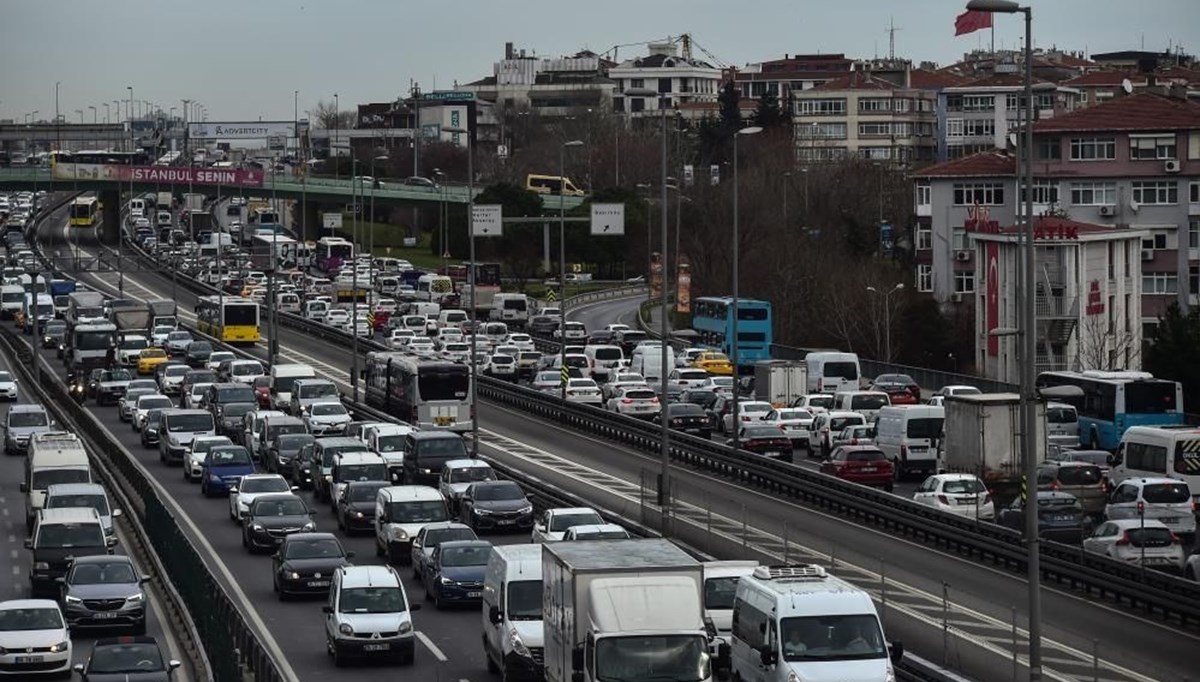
column 1163, row 499
column 635, row 401
column 355, row 507
column 455, row 572
column 125, row 659
column 430, row 536
column 1141, row 542
column 193, row 462
column 272, row 517
column 104, row 591
column 8, row 387
column 901, row 388
column 862, row 464
column 33, row 638
column 224, row 466
column 553, row 524
column 1085, row 481
column 249, row 488
column 305, row 562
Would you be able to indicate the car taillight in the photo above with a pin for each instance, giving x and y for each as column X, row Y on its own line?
column 1124, row 539
column 745, row 418
column 627, row 401
column 1054, row 485
column 751, row 443
column 987, row 498
column 654, row 399
column 943, row 499
column 1174, row 539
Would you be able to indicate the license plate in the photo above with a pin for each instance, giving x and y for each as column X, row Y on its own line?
column 868, row 470
column 318, row 583
column 1170, row 520
column 30, row 659
column 772, row 453
column 473, row 595
column 376, row 647
column 1063, row 517
column 104, row 614
column 505, row 522
column 443, row 421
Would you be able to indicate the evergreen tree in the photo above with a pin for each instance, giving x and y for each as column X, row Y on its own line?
column 1171, row 352
column 768, row 114
column 731, row 112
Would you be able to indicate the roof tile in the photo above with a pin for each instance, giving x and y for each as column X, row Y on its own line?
column 994, row 163
column 1139, row 111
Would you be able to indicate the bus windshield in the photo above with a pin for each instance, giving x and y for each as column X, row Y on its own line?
column 241, row 314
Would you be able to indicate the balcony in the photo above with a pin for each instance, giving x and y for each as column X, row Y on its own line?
column 1057, row 307
column 1052, row 363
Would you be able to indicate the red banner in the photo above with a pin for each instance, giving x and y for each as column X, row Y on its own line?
column 179, row 175
column 971, row 21
column 992, row 256
column 683, row 290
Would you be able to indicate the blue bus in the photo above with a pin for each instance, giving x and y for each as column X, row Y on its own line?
column 1115, row 401
column 712, row 320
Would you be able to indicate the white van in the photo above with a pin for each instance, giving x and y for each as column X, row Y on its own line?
column 288, row 303
column 54, row 457
column 316, row 310
column 799, row 622
column 512, row 610
column 401, row 511
column 830, row 371
column 282, row 378
column 137, row 208
column 12, row 299
column 495, row 332
column 510, row 308
column 433, row 287
column 1062, row 426
column 1159, row 451
column 720, row 588
column 453, row 318
column 866, row 403
column 908, row 434
column 603, row 360
column 647, row 361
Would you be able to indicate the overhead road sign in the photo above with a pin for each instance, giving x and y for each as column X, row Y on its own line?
column 608, row 219
column 487, row 220
column 248, row 130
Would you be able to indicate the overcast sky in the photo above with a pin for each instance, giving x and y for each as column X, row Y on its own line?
column 244, row 58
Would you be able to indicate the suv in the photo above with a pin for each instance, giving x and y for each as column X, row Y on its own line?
column 59, row 537
column 307, row 391
column 103, row 591
column 368, row 615
column 320, row 462
column 425, row 452
column 1163, row 499
column 21, row 422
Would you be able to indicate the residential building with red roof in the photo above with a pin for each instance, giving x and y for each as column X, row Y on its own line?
column 793, row 73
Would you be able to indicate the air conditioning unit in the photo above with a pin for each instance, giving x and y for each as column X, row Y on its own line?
column 962, row 256
column 956, row 297
column 1171, row 166
column 1147, row 255
column 1108, row 211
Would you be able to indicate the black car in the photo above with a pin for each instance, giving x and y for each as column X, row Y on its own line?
column 356, row 507
column 305, row 562
column 283, row 451
column 150, row 430
column 899, row 385
column 704, row 397
column 494, row 505
column 53, row 333
column 126, row 659
column 104, row 591
column 273, row 517
column 600, row 337
column 1060, row 516
column 228, row 418
column 543, row 325
column 197, row 353
column 687, row 417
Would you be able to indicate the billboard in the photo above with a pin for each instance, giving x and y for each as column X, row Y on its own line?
column 251, row 130
column 182, row 175
column 683, row 289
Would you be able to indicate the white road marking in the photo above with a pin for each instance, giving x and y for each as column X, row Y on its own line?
column 437, row 653
column 16, row 570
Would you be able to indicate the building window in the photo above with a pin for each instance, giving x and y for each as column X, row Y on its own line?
column 924, row 237
column 959, row 240
column 1194, row 192
column 637, row 104
column 1150, row 147
column 1156, row 192
column 822, row 107
column 876, row 153
column 1093, row 193
column 822, row 131
column 822, row 153
column 1194, row 280
column 902, row 106
column 971, row 193
column 1093, row 149
column 1155, row 241
column 964, row 282
column 619, row 104
column 924, row 193
column 1049, row 149
column 874, row 129
column 925, row 278
column 978, row 103
column 1044, row 192
column 954, row 102
column 954, row 127
column 1160, row 283
column 637, row 83
column 1194, row 232
column 664, row 85
column 979, row 127
column 868, row 105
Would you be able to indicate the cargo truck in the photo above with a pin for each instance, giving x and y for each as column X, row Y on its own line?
column 88, row 345
column 132, row 319
column 164, row 312
column 84, row 305
column 629, row 610
column 983, row 437
column 780, row 382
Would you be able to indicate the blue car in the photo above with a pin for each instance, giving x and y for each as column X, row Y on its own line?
column 455, row 572
column 223, row 468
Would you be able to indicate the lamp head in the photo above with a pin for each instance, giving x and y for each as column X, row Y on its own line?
column 1001, row 6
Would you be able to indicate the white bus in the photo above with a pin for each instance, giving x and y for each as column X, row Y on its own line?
column 428, row 394
column 1160, row 452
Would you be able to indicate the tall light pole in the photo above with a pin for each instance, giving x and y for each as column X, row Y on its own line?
column 562, row 264
column 733, row 343
column 1028, row 349
column 95, row 114
column 472, row 272
column 354, row 273
column 106, row 112
column 887, row 318
column 80, row 112
column 57, row 123
column 336, row 128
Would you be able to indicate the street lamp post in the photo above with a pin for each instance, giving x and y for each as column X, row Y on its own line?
column 1028, row 347
column 472, row 278
column 80, row 112
column 887, row 318
column 733, row 343
column 57, row 121
column 106, row 112
column 95, row 114
column 562, row 265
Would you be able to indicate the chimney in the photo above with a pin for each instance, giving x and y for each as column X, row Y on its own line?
column 508, row 50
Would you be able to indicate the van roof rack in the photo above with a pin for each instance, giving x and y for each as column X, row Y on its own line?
column 786, row 572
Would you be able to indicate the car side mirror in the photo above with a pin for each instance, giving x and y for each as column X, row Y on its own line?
column 28, row 543
column 173, row 664
column 61, row 580
column 896, row 652
column 494, row 615
column 116, row 513
column 767, row 656
column 232, row 489
column 295, row 488
column 326, row 608
column 142, row 580
column 312, row 512
column 350, row 554
column 110, row 542
column 577, row 660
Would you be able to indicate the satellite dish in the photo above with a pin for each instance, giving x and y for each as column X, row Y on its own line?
column 1126, row 86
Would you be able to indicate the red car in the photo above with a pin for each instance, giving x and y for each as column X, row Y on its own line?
column 768, row 441
column 901, row 388
column 262, row 391
column 862, row 464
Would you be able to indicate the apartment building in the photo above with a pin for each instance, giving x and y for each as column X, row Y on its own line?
column 979, row 115
column 793, row 73
column 684, row 83
column 547, row 87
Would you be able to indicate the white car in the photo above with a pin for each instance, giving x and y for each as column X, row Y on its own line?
column 146, row 403
column 8, row 386
column 960, row 494
column 191, row 401
column 815, row 402
column 28, row 625
column 158, row 335
column 575, row 331
column 1141, row 542
column 217, row 357
column 502, row 367
column 177, row 342
column 947, row 391
column 130, row 348
column 623, row 380
column 1165, row 499
column 456, row 352
column 193, row 462
column 602, row 531
column 553, row 523
column 249, row 487
column 584, row 391
column 826, row 426
column 326, row 418
column 615, row 327
column 635, row 401
column 548, row 380
column 749, row 411
column 422, row 347
column 245, row 371
column 399, row 338
column 337, row 318
column 172, row 378
column 688, row 378
column 523, row 342
column 794, row 421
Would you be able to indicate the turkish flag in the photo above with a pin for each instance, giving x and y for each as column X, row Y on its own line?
column 971, row 21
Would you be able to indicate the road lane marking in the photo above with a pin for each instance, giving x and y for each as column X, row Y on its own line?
column 437, row 653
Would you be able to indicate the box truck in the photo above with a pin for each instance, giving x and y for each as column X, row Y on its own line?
column 983, row 437
column 780, row 382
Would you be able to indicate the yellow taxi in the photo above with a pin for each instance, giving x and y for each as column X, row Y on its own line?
column 713, row 363
column 149, row 359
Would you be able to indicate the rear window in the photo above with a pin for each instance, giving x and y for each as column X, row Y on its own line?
column 1166, row 493
column 608, row 353
column 845, row 370
column 868, row 402
column 1061, row 415
column 1150, row 537
column 927, row 427
column 838, row 423
column 1080, row 475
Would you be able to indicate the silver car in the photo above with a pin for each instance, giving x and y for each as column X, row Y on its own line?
column 104, row 591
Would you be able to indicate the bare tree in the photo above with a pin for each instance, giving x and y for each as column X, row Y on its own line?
column 1101, row 345
column 326, row 115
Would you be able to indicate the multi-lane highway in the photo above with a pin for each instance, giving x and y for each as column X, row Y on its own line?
column 1129, row 647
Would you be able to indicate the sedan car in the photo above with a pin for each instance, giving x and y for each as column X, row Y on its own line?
column 961, row 494
column 862, row 464
column 8, row 386
column 584, row 391
column 635, row 401
column 126, row 659
column 490, row 505
column 104, row 591
column 272, row 518
column 688, row 418
column 143, row 405
column 713, row 363
column 766, row 440
column 177, row 342
column 749, row 411
column 249, row 488
column 355, row 508
column 149, row 359
column 197, row 353
column 1141, row 542
column 430, row 536
column 29, row 625
column 547, row 380
column 223, row 468
column 455, row 572
column 901, row 388
column 794, row 422
column 126, row 402
column 305, row 562
column 554, row 523
column 1059, row 516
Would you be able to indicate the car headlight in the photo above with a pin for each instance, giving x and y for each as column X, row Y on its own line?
column 310, row 526
column 60, row 647
column 72, row 600
column 41, row 566
column 294, row 575
column 405, row 628
column 518, row 647
column 482, row 512
column 397, row 533
column 135, row 599
column 258, row 528
column 328, row 478
column 446, row 581
column 213, row 478
column 345, row 629
column 527, row 509
column 891, row 673
column 358, row 515
column 793, row 677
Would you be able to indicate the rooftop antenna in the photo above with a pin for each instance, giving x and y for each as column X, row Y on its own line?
column 891, row 31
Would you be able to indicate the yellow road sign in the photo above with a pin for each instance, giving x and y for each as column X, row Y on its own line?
column 550, row 297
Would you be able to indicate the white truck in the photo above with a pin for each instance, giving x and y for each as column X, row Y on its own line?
column 165, row 311
column 629, row 610
column 983, row 437
column 780, row 382
column 84, row 305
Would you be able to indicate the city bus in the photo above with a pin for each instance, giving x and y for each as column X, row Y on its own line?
column 428, row 394
column 85, row 211
column 332, row 252
column 712, row 320
column 231, row 319
column 106, row 157
column 1114, row 401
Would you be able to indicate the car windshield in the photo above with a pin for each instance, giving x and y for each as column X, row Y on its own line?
column 452, row 446
column 425, row 511
column 471, row 474
column 236, row 410
column 1087, row 474
column 794, row 414
column 98, row 502
column 27, row 419
column 151, row 403
column 718, row 592
column 134, row 344
column 291, row 442
column 371, row 600
column 133, row 657
column 112, row 573
column 70, row 535
column 502, row 491
column 966, row 486
column 44, row 478
column 394, row 443
column 199, row 347
column 678, row 658
column 13, row 620
column 475, row 555
column 362, row 472
column 287, row 506
column 5, row 377
column 176, row 370
column 832, row 638
column 845, row 370
column 229, row 457
column 684, row 410
column 263, row 485
column 561, row 522
column 245, row 369
column 317, row 390
column 315, row 548
column 364, row 492
column 196, row 423
column 238, row 394
column 1166, row 493
column 525, row 600
column 602, row 535
column 328, row 410
column 837, row 424
column 868, row 402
